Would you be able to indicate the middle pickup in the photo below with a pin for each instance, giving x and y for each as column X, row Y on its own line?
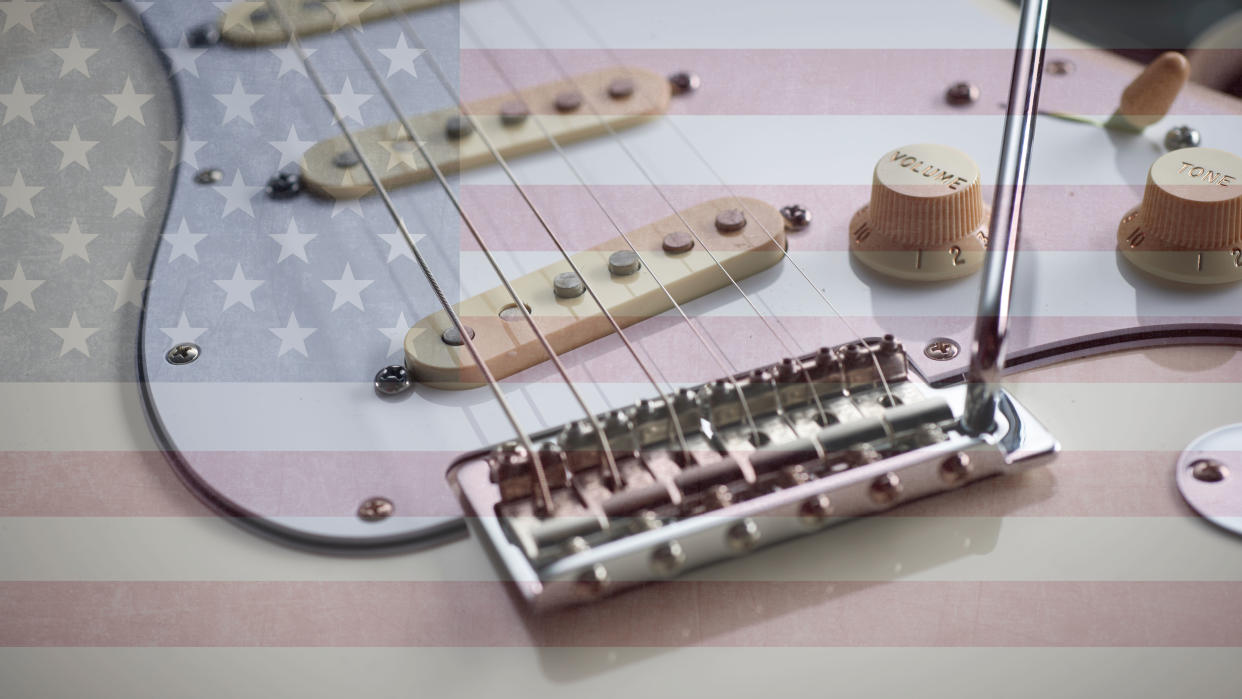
column 573, row 109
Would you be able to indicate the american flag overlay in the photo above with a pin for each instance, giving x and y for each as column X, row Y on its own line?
column 134, row 217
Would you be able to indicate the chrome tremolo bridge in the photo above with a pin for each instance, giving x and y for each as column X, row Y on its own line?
column 839, row 433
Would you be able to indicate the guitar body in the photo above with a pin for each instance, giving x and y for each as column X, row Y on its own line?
column 293, row 305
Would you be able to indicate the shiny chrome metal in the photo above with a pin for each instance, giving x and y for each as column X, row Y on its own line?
column 992, row 319
column 1207, row 476
column 183, row 353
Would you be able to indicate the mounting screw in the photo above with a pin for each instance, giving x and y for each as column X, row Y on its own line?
column 1209, row 470
column 209, row 175
column 203, row 36
column 375, row 509
column 885, row 489
column 1180, row 137
column 813, row 512
column 183, row 353
column 744, row 535
column 684, row 81
column 796, row 217
column 955, row 469
column 961, row 94
column 941, row 349
column 1059, row 66
column 284, row 185
column 392, row 379
column 668, row 558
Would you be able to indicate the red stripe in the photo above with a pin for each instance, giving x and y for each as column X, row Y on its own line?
column 141, row 484
column 670, row 614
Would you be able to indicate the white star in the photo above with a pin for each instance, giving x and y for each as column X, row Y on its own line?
column 128, row 196
column 18, row 196
column 348, row 289
column 183, row 242
column 292, row 148
column 401, row 57
column 340, row 206
column 73, row 336
column 17, row 103
column 292, row 242
column 237, row 103
column 397, row 247
column 349, row 103
column 292, row 337
column 189, row 150
column 123, row 17
column 183, row 332
column 128, row 289
column 73, row 242
column 128, row 103
column 241, row 18
column 183, row 57
column 73, row 57
column 19, row 13
column 289, row 60
column 19, row 289
column 237, row 195
column 238, row 289
column 396, row 334
column 74, row 150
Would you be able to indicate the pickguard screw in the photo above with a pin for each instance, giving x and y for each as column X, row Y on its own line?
column 392, row 379
column 796, row 217
column 451, row 337
column 284, row 185
column 375, row 509
column 209, row 175
column 1060, row 66
column 684, row 81
column 1180, row 137
column 941, row 349
column 203, row 36
column 885, row 489
column 1209, row 470
column 568, row 285
column 961, row 94
column 183, row 353
column 458, row 127
column 744, row 535
column 345, row 159
column 955, row 469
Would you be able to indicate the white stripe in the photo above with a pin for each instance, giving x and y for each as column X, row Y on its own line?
column 306, row 416
column 573, row 673
column 1014, row 549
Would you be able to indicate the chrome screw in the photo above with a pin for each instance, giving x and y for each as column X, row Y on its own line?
column 208, row 175
column 183, row 353
column 885, row 489
column 375, row 509
column 962, row 94
column 284, row 185
column 684, row 81
column 814, row 511
column 744, row 535
column 941, row 349
column 1059, row 66
column 1209, row 470
column 955, row 469
column 392, row 379
column 1180, row 137
column 668, row 558
column 593, row 581
column 796, row 217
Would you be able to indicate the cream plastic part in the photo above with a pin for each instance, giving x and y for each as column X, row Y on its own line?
column 508, row 345
column 398, row 161
column 926, row 220
column 239, row 25
column 1189, row 225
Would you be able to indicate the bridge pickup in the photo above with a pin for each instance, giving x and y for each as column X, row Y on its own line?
column 869, row 449
column 254, row 23
column 580, row 107
column 506, row 341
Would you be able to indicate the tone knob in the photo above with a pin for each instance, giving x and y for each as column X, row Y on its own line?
column 1188, row 227
column 926, row 220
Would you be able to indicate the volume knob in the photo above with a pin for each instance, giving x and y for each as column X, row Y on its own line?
column 1188, row 227
column 926, row 220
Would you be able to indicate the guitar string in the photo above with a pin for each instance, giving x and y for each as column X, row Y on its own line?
column 698, row 154
column 543, row 495
column 408, row 30
column 613, row 473
column 718, row 356
column 785, row 346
